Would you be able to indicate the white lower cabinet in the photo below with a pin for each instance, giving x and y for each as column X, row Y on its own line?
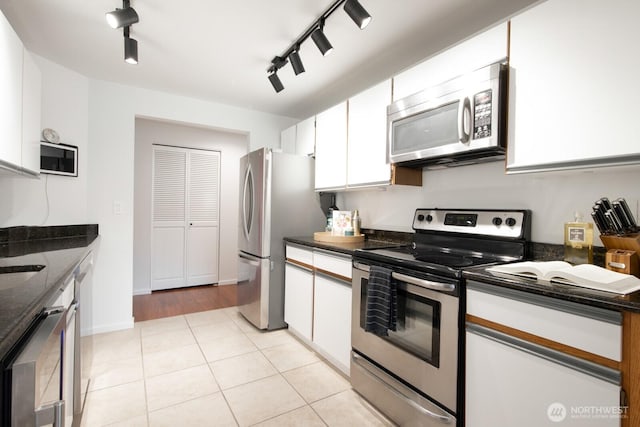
column 516, row 378
column 332, row 319
column 317, row 301
column 298, row 299
column 508, row 386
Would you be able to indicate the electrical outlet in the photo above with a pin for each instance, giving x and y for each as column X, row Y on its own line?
column 117, row 207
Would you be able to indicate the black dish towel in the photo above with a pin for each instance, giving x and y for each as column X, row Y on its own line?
column 382, row 305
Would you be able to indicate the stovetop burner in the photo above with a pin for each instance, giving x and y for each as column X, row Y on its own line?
column 448, row 241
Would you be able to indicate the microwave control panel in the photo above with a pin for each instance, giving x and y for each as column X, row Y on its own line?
column 482, row 114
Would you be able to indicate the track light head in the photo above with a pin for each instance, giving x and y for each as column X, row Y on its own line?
column 358, row 13
column 130, row 50
column 275, row 81
column 321, row 41
column 122, row 17
column 296, row 62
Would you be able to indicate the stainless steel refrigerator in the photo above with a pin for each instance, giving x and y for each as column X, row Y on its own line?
column 277, row 199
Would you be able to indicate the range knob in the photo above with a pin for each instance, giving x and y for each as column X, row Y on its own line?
column 510, row 222
column 497, row 221
column 420, row 217
column 429, row 218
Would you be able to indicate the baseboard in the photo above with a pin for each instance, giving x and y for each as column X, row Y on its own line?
column 107, row 328
column 141, row 292
column 227, row 282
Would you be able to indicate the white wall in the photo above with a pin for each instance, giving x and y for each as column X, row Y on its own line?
column 64, row 108
column 112, row 115
column 552, row 197
column 231, row 146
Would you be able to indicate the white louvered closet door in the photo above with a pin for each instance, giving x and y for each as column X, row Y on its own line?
column 185, row 217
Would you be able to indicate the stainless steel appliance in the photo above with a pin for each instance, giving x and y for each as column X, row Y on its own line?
column 277, row 199
column 42, row 371
column 413, row 375
column 460, row 121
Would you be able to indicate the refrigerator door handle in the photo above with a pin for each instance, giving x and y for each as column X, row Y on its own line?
column 247, row 208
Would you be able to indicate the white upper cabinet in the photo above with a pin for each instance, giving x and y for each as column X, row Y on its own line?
column 574, row 85
column 288, row 140
column 483, row 49
column 331, row 148
column 367, row 137
column 306, row 137
column 11, row 52
column 31, row 113
column 300, row 139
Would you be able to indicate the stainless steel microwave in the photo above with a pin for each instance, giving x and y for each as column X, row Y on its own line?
column 460, row 121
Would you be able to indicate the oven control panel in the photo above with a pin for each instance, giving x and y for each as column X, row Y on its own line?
column 498, row 223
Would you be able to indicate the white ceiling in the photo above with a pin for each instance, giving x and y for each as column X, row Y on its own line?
column 220, row 50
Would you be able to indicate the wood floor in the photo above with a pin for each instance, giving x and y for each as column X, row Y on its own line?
column 174, row 302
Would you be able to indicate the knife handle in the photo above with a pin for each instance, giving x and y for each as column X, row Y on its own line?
column 622, row 217
column 605, row 203
column 628, row 213
column 600, row 222
column 614, row 223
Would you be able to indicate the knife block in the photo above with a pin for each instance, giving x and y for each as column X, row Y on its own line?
column 623, row 250
column 622, row 261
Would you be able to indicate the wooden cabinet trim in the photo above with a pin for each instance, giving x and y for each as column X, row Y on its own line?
column 630, row 367
column 554, row 345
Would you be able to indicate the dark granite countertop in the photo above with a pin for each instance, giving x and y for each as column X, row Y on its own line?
column 60, row 255
column 372, row 241
column 591, row 297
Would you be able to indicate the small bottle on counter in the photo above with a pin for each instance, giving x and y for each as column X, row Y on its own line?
column 578, row 241
column 348, row 231
column 355, row 219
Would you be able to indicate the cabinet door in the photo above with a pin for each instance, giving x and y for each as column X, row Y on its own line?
column 306, row 137
column 507, row 386
column 331, row 148
column 367, row 137
column 298, row 299
column 288, row 140
column 574, row 85
column 332, row 319
column 486, row 48
column 31, row 113
column 11, row 52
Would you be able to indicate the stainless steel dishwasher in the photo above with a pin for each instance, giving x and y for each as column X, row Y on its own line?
column 83, row 275
column 39, row 373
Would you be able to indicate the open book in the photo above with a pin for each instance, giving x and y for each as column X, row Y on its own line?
column 584, row 275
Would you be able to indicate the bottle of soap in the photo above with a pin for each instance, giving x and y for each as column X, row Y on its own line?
column 355, row 219
column 578, row 241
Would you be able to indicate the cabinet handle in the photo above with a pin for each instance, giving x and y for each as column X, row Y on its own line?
column 586, row 367
column 301, row 267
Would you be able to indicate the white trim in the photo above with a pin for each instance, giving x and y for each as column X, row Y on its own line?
column 108, row 328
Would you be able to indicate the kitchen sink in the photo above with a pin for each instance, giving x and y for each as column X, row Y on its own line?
column 15, row 275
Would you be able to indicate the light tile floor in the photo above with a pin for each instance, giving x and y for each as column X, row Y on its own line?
column 215, row 369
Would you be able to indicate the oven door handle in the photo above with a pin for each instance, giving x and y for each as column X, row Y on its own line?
column 427, row 284
column 442, row 418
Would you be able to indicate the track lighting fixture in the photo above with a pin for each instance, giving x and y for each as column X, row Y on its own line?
column 130, row 50
column 353, row 8
column 276, row 63
column 124, row 18
column 358, row 13
column 296, row 62
column 321, row 41
column 275, row 82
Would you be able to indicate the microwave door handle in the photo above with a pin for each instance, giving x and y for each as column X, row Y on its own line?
column 464, row 120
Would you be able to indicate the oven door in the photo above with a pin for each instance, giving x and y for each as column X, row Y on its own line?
column 424, row 350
